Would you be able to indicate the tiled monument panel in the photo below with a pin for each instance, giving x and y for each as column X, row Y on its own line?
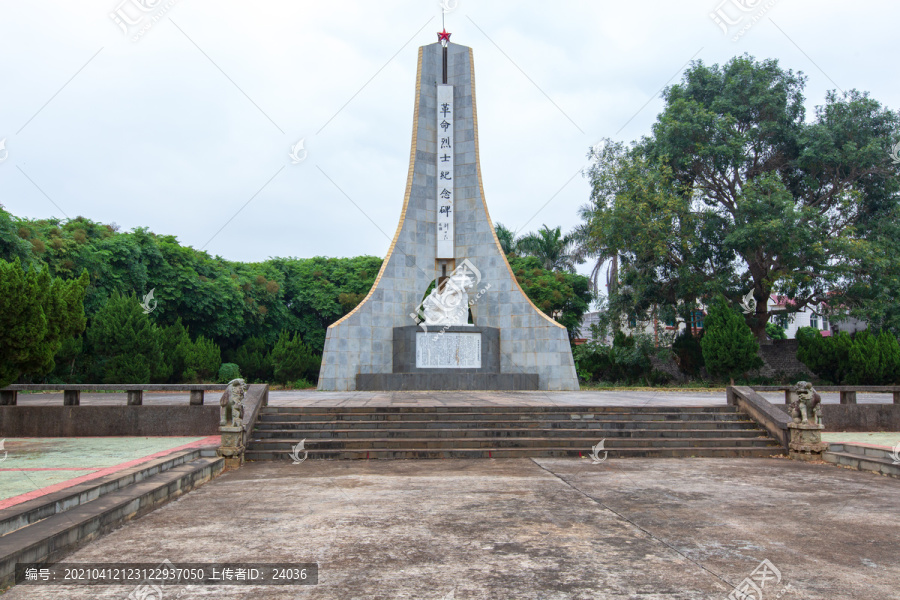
column 361, row 342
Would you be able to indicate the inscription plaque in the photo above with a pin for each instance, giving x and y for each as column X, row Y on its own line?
column 448, row 350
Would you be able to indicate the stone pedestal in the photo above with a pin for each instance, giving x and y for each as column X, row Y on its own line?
column 806, row 441
column 232, row 447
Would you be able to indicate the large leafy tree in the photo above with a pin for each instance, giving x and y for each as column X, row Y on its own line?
column 742, row 192
column 561, row 295
column 38, row 313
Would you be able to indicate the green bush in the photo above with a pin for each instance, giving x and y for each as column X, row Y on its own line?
column 229, row 371
column 254, row 360
column 202, row 359
column 293, row 360
column 775, row 331
column 874, row 359
column 688, row 353
column 827, row 357
column 627, row 360
column 729, row 346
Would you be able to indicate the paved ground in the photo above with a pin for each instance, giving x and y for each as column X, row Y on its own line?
column 547, row 529
column 32, row 467
column 583, row 398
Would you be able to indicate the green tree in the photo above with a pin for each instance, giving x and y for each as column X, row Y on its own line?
column 827, row 357
column 253, row 359
column 729, row 347
column 174, row 341
column 202, row 359
column 773, row 201
column 874, row 359
column 293, row 360
column 688, row 352
column 775, row 331
column 125, row 343
column 37, row 315
column 561, row 295
column 507, row 239
column 551, row 247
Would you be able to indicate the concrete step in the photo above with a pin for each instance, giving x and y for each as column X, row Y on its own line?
column 479, row 424
column 286, row 445
column 53, row 537
column 419, row 453
column 30, row 512
column 498, row 416
column 496, row 409
column 296, row 433
column 862, row 458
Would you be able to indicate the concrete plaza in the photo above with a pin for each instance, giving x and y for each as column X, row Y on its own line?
column 524, row 529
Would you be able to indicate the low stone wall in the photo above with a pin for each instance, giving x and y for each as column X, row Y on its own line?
column 858, row 417
column 781, row 357
column 93, row 421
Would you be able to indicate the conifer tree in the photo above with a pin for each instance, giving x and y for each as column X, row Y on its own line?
column 729, row 347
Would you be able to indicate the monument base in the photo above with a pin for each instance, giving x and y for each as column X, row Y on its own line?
column 806, row 441
column 459, row 357
column 394, row 382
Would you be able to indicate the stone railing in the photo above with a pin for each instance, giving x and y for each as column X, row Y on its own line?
column 848, row 392
column 72, row 392
column 766, row 414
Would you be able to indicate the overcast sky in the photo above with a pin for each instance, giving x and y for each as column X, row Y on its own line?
column 185, row 124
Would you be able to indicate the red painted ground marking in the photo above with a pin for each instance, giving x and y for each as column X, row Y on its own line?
column 213, row 440
column 56, row 469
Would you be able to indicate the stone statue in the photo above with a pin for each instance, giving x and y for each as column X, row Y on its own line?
column 232, row 404
column 806, row 406
column 450, row 305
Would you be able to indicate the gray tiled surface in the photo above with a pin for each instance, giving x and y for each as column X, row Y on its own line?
column 403, row 281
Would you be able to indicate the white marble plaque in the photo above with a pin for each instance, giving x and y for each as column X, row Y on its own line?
column 445, row 192
column 448, row 350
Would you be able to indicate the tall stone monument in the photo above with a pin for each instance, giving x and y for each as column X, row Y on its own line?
column 400, row 338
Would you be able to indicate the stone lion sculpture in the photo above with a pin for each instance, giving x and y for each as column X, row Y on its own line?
column 806, row 406
column 232, row 404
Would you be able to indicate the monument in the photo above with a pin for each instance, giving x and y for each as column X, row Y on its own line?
column 446, row 311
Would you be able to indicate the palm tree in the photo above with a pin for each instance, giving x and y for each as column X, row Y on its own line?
column 588, row 246
column 550, row 246
column 507, row 239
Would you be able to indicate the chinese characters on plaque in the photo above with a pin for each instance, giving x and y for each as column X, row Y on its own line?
column 445, row 192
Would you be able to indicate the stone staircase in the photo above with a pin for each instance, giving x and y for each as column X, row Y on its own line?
column 507, row 432
column 51, row 526
column 862, row 458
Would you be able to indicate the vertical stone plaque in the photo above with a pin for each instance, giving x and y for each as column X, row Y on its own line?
column 445, row 175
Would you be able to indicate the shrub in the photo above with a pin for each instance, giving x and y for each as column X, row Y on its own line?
column 688, row 353
column 627, row 360
column 729, row 346
column 293, row 360
column 827, row 357
column 874, row 359
column 228, row 371
column 254, row 360
column 202, row 359
column 775, row 331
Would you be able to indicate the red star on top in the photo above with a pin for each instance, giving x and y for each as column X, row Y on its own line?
column 443, row 36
